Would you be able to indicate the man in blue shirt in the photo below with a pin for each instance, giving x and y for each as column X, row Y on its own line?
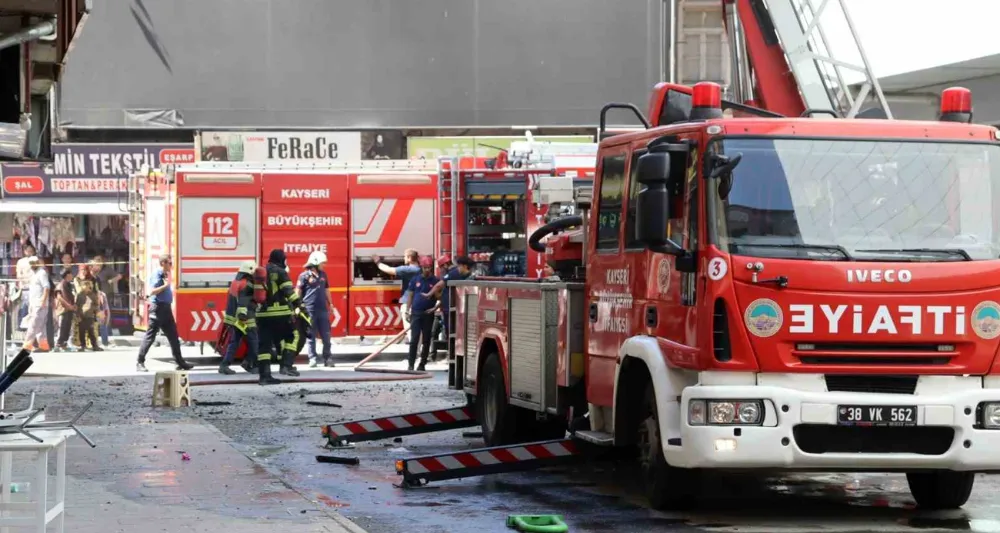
column 161, row 316
column 405, row 272
column 461, row 270
column 422, row 312
column 314, row 288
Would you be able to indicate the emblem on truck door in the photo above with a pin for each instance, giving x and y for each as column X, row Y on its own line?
column 986, row 320
column 663, row 276
column 763, row 317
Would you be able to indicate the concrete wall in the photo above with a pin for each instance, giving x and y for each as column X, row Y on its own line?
column 360, row 63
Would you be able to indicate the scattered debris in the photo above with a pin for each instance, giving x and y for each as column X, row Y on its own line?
column 338, row 460
column 211, row 404
column 397, row 440
column 472, row 434
column 185, row 457
column 324, row 404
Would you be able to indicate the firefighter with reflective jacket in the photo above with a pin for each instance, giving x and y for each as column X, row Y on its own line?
column 245, row 293
column 277, row 330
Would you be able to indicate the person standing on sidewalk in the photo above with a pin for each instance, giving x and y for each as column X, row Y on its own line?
column 88, row 304
column 38, row 307
column 422, row 312
column 24, row 272
column 405, row 272
column 107, row 283
column 314, row 289
column 161, row 317
column 65, row 309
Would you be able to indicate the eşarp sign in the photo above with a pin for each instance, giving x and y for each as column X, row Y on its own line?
column 88, row 170
column 298, row 146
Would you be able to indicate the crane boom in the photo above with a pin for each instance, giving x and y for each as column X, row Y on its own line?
column 783, row 60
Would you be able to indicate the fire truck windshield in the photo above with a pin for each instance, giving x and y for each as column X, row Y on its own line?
column 866, row 200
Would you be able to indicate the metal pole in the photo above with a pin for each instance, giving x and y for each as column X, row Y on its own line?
column 3, row 354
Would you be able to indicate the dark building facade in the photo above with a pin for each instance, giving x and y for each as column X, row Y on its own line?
column 361, row 64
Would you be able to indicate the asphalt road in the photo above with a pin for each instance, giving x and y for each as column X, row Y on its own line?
column 594, row 498
column 275, row 427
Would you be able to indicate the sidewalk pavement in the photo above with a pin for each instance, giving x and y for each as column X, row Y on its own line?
column 137, row 480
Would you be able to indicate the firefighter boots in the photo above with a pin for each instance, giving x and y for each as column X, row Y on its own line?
column 264, row 369
column 224, row 369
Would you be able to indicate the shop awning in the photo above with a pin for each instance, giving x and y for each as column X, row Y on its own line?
column 62, row 207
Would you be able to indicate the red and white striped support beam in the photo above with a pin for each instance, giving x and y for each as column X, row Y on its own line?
column 398, row 426
column 419, row 470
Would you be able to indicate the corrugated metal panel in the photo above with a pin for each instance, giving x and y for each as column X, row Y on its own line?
column 361, row 63
column 526, row 339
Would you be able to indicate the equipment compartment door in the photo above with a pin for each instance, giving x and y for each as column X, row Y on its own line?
column 216, row 235
column 527, row 338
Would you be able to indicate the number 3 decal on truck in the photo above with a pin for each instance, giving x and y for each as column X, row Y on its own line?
column 717, row 268
column 219, row 231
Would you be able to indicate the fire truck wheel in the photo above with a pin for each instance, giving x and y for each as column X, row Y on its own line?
column 666, row 487
column 496, row 416
column 941, row 489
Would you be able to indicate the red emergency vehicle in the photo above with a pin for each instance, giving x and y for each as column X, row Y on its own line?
column 212, row 216
column 490, row 206
column 748, row 291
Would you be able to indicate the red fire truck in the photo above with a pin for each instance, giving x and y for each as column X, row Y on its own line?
column 751, row 292
column 212, row 216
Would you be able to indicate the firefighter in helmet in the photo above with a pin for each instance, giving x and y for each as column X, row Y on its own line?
column 422, row 308
column 246, row 291
column 314, row 288
column 277, row 330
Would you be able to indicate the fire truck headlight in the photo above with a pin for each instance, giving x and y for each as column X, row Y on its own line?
column 727, row 412
column 991, row 415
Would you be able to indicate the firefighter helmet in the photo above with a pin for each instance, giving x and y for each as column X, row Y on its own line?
column 247, row 267
column 426, row 262
column 444, row 260
column 316, row 259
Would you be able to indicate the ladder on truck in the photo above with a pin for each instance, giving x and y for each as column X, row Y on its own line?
column 136, row 188
column 827, row 81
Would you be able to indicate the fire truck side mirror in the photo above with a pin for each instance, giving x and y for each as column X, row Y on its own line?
column 653, row 202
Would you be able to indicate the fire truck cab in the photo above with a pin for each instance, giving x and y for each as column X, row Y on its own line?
column 762, row 293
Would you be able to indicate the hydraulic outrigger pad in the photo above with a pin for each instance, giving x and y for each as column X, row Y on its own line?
column 398, row 426
column 417, row 471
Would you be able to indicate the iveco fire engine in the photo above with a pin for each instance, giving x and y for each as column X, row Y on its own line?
column 745, row 290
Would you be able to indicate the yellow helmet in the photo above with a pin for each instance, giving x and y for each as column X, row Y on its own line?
column 248, row 266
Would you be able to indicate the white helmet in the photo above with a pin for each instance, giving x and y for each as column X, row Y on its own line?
column 248, row 266
column 316, row 258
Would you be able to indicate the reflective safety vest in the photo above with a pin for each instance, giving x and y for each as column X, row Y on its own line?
column 241, row 310
column 281, row 295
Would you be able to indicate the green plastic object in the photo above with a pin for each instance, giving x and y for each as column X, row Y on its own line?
column 545, row 523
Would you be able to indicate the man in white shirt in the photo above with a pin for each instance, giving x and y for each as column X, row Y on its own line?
column 23, row 272
column 38, row 307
